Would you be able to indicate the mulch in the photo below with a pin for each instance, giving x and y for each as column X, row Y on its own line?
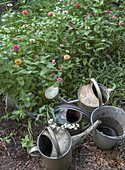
column 88, row 157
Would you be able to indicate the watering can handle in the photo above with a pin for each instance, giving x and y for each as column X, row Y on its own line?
column 98, row 91
column 54, row 140
column 34, row 149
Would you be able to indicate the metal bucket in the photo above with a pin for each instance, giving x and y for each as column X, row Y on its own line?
column 55, row 147
column 112, row 128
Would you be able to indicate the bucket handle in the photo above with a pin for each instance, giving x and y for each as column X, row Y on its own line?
column 98, row 91
column 54, row 140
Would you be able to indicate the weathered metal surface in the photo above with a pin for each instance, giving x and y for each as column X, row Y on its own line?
column 113, row 118
column 52, row 158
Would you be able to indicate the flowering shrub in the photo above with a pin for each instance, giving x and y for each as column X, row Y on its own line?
column 63, row 45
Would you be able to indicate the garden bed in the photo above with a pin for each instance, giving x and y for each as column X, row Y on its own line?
column 13, row 156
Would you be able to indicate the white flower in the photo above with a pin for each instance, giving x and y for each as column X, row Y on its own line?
column 77, row 125
column 9, row 5
column 41, row 9
column 103, row 40
column 38, row 23
column 67, row 51
column 25, row 25
column 75, row 128
column 65, row 12
column 53, row 126
column 50, row 121
column 58, row 128
column 32, row 40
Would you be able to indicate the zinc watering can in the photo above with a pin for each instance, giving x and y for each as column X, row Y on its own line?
column 55, row 147
column 90, row 96
column 71, row 114
column 11, row 104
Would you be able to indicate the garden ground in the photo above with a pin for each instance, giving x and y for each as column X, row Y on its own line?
column 88, row 157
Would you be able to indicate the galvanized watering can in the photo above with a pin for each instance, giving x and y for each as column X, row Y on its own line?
column 90, row 96
column 10, row 104
column 71, row 114
column 55, row 147
column 112, row 128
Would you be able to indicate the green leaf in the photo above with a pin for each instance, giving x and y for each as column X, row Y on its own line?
column 20, row 80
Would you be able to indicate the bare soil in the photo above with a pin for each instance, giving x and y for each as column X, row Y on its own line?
column 88, row 157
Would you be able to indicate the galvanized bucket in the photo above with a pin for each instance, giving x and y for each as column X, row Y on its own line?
column 55, row 147
column 112, row 128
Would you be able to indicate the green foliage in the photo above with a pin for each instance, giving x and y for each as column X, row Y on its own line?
column 27, row 143
column 95, row 45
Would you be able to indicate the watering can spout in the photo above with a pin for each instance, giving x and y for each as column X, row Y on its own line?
column 80, row 137
column 11, row 104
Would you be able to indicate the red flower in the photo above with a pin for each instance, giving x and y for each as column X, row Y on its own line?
column 108, row 12
column 77, row 5
column 25, row 12
column 20, row 39
column 50, row 13
column 53, row 73
column 16, row 47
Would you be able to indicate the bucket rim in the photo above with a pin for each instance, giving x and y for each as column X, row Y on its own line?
column 55, row 158
column 110, row 137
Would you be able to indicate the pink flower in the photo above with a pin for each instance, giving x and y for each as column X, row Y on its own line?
column 108, row 12
column 59, row 79
column 43, row 28
column 70, row 22
column 53, row 62
column 53, row 73
column 58, row 49
column 35, row 57
column 61, row 45
column 19, row 39
column 25, row 12
column 50, row 13
column 77, row 5
column 78, row 36
column 121, row 22
column 85, row 18
column 16, row 47
column 0, row 42
column 70, row 28
column 92, row 13
column 16, row 66
column 113, row 17
column 65, row 37
column 62, row 66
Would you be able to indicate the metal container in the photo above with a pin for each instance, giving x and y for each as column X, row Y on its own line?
column 71, row 114
column 55, row 147
column 112, row 128
column 90, row 96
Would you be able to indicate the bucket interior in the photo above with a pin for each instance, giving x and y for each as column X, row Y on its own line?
column 113, row 120
column 73, row 116
column 45, row 145
column 104, row 92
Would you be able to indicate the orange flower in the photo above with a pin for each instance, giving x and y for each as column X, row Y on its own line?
column 45, row 53
column 66, row 57
column 18, row 61
column 32, row 28
column 70, row 2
